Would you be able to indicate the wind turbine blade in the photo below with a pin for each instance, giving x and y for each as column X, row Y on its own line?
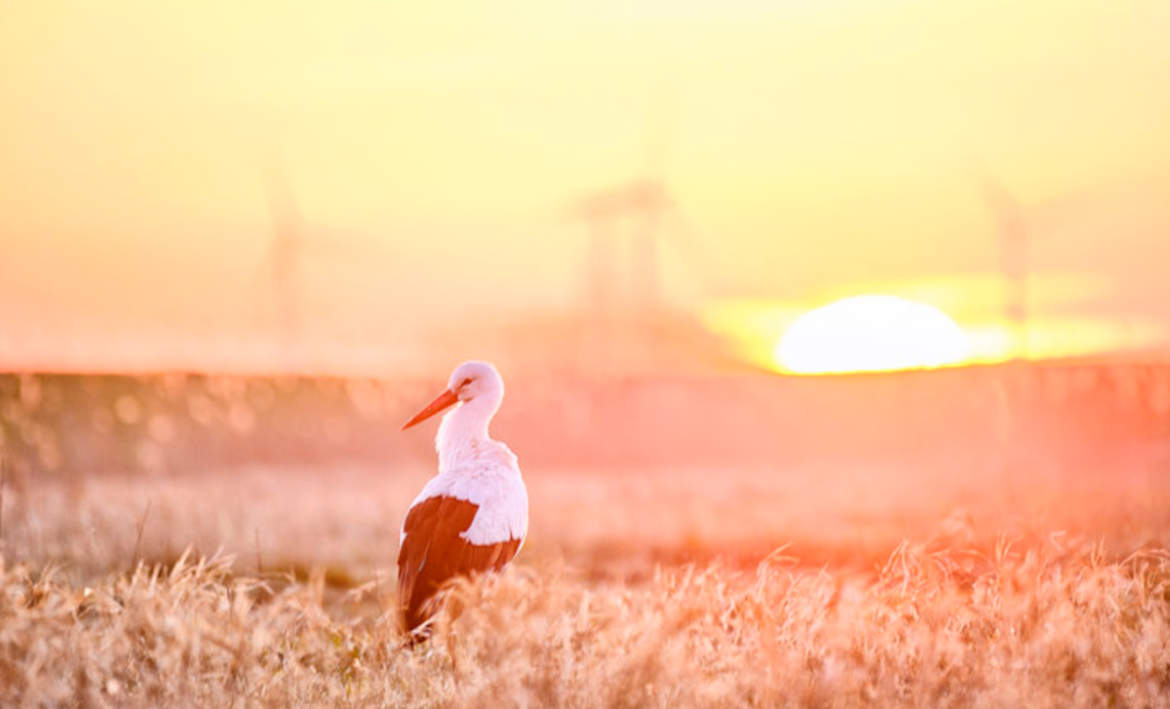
column 1000, row 201
column 1042, row 218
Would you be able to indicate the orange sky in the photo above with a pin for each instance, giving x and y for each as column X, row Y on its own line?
column 818, row 149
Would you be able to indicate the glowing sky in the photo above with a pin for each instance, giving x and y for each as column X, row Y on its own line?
column 434, row 148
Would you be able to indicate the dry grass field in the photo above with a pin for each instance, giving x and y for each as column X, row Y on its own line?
column 812, row 582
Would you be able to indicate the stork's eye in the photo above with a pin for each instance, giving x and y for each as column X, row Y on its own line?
column 465, row 382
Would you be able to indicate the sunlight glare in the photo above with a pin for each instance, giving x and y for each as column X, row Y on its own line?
column 871, row 333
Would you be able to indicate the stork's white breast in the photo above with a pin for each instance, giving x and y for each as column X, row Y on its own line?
column 500, row 496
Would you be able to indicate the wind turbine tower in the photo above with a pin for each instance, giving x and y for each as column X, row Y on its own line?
column 286, row 247
column 1013, row 237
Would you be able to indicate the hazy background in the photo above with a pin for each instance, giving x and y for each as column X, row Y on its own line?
column 241, row 243
column 386, row 188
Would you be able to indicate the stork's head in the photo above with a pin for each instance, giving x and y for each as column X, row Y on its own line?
column 476, row 379
column 470, row 382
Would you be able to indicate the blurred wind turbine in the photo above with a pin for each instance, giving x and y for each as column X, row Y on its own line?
column 642, row 212
column 290, row 246
column 1012, row 231
column 1017, row 227
column 282, row 262
column 641, row 207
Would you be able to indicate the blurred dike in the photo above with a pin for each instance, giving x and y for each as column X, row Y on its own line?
column 1074, row 415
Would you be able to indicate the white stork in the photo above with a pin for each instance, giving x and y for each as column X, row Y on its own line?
column 470, row 518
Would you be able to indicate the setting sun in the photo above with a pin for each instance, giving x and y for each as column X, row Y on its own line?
column 871, row 333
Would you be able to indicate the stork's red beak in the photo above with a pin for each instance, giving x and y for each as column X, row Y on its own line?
column 441, row 402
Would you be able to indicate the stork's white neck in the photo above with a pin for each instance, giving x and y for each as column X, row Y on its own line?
column 464, row 429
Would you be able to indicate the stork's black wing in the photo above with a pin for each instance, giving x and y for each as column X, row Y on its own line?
column 433, row 552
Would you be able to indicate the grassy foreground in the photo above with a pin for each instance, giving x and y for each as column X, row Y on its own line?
column 1039, row 623
column 1037, row 571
